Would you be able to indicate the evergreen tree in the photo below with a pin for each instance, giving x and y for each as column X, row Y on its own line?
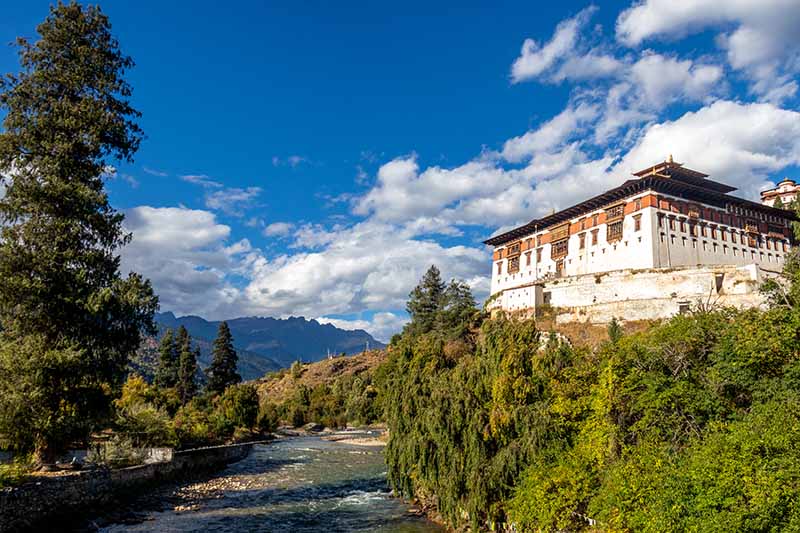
column 187, row 370
column 69, row 320
column 778, row 203
column 426, row 301
column 458, row 308
column 222, row 372
column 167, row 370
column 615, row 331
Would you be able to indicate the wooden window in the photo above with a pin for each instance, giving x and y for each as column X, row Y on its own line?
column 594, row 236
column 538, row 255
column 723, row 233
column 704, row 230
column 693, row 211
column 499, row 268
column 713, row 233
column 660, row 220
column 560, row 232
column 637, row 205
column 527, row 259
column 582, row 240
column 617, row 211
column 672, row 224
column 683, row 226
column 583, row 223
column 637, row 222
column 538, row 240
column 614, row 232
column 595, row 219
column 513, row 249
column 734, row 240
column 513, row 264
column 751, row 226
column 559, row 248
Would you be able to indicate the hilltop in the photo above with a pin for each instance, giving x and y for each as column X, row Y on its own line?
column 280, row 386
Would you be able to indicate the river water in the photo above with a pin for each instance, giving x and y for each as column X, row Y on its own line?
column 299, row 484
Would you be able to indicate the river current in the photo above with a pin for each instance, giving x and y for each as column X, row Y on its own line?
column 300, row 484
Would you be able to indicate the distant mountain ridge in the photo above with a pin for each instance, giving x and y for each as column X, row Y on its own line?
column 279, row 341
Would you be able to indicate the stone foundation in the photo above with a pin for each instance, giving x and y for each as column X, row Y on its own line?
column 638, row 294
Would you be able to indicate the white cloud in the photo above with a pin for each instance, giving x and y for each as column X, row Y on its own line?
column 202, row 180
column 763, row 43
column 233, row 201
column 382, row 326
column 551, row 134
column 736, row 143
column 278, row 229
column 182, row 251
column 535, row 59
column 154, row 172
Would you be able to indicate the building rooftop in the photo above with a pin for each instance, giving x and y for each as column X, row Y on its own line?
column 667, row 177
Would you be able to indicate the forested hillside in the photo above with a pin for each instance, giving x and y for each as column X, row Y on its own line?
column 691, row 424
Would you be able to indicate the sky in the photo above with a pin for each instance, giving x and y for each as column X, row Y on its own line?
column 314, row 160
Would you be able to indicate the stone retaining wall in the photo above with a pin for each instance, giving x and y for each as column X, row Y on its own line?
column 34, row 503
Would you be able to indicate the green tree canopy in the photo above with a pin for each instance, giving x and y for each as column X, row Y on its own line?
column 168, row 362
column 222, row 372
column 67, row 116
column 187, row 369
column 426, row 301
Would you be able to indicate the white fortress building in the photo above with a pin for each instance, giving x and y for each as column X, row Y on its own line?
column 653, row 247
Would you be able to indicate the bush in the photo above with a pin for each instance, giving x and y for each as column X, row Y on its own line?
column 16, row 472
column 238, row 406
column 268, row 417
column 146, row 425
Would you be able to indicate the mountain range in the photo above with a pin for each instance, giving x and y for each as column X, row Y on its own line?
column 266, row 344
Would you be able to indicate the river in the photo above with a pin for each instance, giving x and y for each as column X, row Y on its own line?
column 298, row 484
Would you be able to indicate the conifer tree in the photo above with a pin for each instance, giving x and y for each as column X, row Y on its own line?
column 167, row 370
column 69, row 320
column 426, row 301
column 778, row 203
column 222, row 372
column 187, row 369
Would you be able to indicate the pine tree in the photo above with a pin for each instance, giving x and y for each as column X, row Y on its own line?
column 426, row 301
column 778, row 203
column 458, row 308
column 187, row 369
column 167, row 370
column 615, row 331
column 69, row 320
column 222, row 372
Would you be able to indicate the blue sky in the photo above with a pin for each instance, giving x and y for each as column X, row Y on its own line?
column 314, row 160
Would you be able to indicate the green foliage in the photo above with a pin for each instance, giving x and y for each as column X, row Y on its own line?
column 238, row 406
column 143, row 414
column 691, row 425
column 425, row 301
column 66, row 114
column 447, row 309
column 168, row 362
column 187, row 367
column 16, row 472
column 296, row 370
column 222, row 372
column 615, row 331
column 352, row 399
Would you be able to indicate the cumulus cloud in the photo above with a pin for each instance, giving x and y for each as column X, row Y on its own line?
column 536, row 59
column 736, row 143
column 762, row 43
column 183, row 252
